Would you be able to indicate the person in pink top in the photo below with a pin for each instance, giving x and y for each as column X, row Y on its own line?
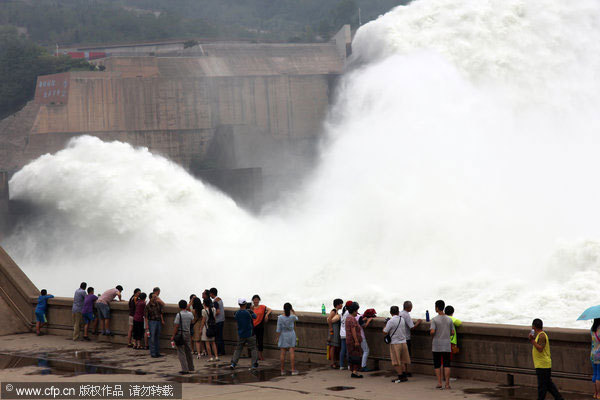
column 103, row 307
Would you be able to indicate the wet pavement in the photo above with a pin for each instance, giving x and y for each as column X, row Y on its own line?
column 56, row 358
column 519, row 393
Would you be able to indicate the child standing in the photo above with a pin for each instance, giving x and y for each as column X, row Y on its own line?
column 88, row 312
column 40, row 310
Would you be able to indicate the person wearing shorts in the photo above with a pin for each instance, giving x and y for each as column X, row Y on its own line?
column 87, row 312
column 40, row 310
column 441, row 329
column 103, row 307
column 398, row 348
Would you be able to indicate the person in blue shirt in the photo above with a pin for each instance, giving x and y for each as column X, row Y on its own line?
column 40, row 310
column 244, row 317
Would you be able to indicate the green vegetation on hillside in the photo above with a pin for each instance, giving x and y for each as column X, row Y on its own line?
column 21, row 61
column 69, row 22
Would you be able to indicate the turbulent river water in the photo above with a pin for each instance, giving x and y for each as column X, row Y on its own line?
column 461, row 162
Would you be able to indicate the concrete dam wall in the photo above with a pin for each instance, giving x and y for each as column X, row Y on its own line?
column 174, row 104
column 496, row 353
column 272, row 96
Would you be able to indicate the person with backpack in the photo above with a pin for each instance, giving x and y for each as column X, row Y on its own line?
column 244, row 317
column 209, row 329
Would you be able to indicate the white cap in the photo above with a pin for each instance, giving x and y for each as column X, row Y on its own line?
column 242, row 301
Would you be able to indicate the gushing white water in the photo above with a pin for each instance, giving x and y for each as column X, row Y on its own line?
column 461, row 164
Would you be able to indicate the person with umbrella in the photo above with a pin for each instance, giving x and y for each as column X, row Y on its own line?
column 594, row 313
column 595, row 357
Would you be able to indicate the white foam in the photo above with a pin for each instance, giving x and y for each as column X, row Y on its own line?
column 461, row 164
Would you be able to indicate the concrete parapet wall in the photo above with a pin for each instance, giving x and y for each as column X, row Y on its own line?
column 497, row 353
column 490, row 352
column 16, row 292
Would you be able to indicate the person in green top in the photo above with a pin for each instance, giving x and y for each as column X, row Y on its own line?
column 542, row 360
column 449, row 311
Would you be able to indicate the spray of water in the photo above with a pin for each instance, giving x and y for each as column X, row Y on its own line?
column 460, row 163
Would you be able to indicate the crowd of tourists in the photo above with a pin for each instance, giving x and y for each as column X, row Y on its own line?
column 198, row 330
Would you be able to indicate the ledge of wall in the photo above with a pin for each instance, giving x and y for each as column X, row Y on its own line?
column 488, row 352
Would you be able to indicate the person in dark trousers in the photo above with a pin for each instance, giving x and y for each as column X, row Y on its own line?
column 262, row 316
column 154, row 316
column 244, row 317
column 441, row 330
column 542, row 360
column 183, row 321
column 220, row 319
column 78, row 299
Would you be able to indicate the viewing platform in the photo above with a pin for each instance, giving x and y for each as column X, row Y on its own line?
column 52, row 358
column 497, row 354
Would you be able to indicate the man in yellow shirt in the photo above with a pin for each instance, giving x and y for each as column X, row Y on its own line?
column 542, row 360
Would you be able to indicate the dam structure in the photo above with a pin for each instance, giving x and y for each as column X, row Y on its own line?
column 235, row 114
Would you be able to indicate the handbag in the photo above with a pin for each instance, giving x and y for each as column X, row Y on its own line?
column 178, row 338
column 595, row 357
column 454, row 348
column 211, row 325
column 388, row 338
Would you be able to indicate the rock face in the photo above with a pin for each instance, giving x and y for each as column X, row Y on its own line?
column 175, row 104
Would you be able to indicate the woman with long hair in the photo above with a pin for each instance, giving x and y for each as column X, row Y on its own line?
column 262, row 316
column 287, row 336
column 353, row 341
column 208, row 317
column 595, row 357
column 190, row 308
column 334, row 339
column 196, row 309
column 132, row 301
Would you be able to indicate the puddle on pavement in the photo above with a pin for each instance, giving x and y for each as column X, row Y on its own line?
column 519, row 393
column 222, row 375
column 70, row 363
column 340, row 388
column 49, row 364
